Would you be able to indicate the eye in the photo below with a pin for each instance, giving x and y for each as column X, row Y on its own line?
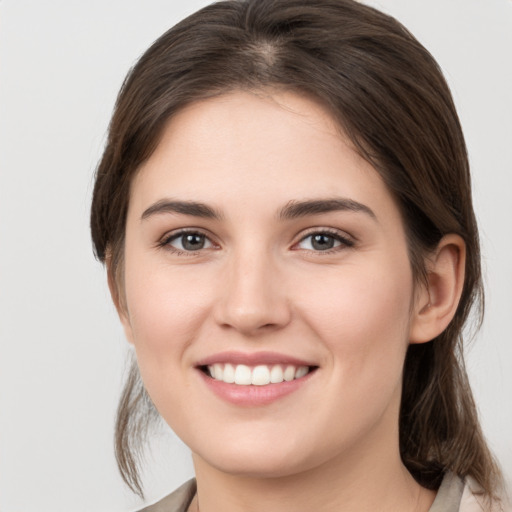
column 187, row 241
column 323, row 241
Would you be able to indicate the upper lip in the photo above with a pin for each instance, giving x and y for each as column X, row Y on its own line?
column 253, row 359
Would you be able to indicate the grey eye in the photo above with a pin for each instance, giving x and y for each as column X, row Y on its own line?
column 190, row 242
column 323, row 241
column 319, row 242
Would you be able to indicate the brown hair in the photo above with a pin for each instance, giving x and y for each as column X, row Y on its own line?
column 389, row 96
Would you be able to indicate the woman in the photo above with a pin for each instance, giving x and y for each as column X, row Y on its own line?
column 284, row 209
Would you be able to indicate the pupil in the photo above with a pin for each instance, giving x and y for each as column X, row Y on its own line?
column 193, row 242
column 323, row 242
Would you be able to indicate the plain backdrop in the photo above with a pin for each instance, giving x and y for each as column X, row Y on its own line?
column 62, row 353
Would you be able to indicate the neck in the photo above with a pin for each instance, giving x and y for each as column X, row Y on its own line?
column 360, row 481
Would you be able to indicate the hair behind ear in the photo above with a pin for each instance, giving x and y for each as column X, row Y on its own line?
column 135, row 415
column 439, row 428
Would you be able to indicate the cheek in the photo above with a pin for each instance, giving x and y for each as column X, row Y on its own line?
column 363, row 317
column 167, row 308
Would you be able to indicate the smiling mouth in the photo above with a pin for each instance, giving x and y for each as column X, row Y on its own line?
column 258, row 375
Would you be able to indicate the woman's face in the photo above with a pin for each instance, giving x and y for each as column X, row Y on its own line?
column 261, row 248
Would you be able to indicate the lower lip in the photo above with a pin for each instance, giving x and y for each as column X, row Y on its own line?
column 250, row 396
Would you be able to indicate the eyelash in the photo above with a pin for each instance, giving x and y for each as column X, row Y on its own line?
column 344, row 242
column 165, row 243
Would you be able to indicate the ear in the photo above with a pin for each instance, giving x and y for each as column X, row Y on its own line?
column 436, row 301
column 118, row 297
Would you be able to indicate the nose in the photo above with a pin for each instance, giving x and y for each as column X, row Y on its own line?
column 253, row 297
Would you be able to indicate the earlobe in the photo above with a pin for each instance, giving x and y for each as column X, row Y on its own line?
column 117, row 295
column 436, row 303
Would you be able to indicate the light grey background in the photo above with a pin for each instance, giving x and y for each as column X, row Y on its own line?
column 62, row 351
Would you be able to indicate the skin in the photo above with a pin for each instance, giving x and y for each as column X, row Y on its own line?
column 258, row 284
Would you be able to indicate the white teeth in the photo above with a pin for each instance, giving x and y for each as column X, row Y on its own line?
column 276, row 374
column 289, row 373
column 260, row 375
column 229, row 373
column 217, row 371
column 302, row 371
column 243, row 375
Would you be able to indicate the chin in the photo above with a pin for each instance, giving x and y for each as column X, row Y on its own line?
column 257, row 461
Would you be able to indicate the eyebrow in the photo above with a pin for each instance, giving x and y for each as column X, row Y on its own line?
column 296, row 209
column 182, row 207
column 292, row 210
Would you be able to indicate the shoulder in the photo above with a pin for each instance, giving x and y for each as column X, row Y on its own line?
column 472, row 500
column 465, row 495
column 178, row 501
column 455, row 494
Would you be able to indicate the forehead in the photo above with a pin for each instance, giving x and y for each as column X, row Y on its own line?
column 257, row 150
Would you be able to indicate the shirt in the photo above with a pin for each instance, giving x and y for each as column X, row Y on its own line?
column 454, row 495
